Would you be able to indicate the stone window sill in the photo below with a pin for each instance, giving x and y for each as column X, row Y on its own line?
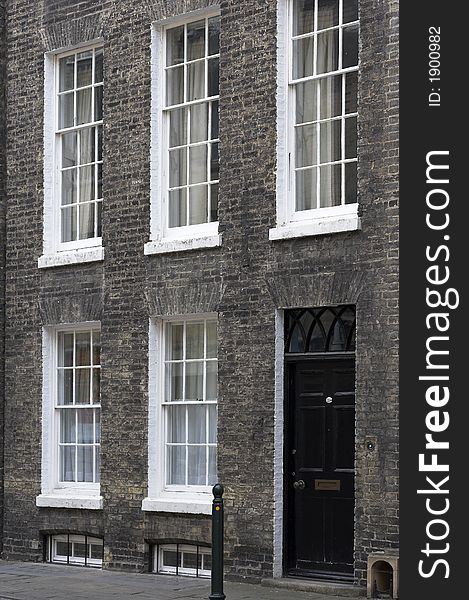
column 335, row 224
column 164, row 246
column 71, row 257
column 63, row 500
column 193, row 504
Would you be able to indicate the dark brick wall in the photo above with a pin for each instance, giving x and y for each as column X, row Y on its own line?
column 2, row 239
column 245, row 280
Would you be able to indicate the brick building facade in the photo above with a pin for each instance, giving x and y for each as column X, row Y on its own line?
column 246, row 281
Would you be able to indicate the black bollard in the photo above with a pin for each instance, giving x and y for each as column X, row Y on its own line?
column 217, row 544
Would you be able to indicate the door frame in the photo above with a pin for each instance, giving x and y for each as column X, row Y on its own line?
column 288, row 360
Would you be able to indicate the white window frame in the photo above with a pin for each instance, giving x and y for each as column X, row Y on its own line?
column 54, row 493
column 163, row 498
column 162, row 238
column 292, row 223
column 160, row 567
column 72, row 539
column 55, row 252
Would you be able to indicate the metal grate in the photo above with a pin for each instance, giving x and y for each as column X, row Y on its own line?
column 188, row 560
column 74, row 549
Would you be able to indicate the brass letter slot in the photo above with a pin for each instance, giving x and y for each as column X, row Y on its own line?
column 327, row 484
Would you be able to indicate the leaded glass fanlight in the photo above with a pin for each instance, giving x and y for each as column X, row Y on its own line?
column 318, row 330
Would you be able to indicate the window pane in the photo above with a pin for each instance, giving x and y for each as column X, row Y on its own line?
column 214, row 35
column 99, row 207
column 87, row 191
column 85, row 426
column 212, row 468
column 67, row 426
column 97, row 429
column 97, row 463
column 330, row 185
column 350, row 46
column 175, row 336
column 196, row 40
column 215, row 120
column 189, row 560
column 84, row 68
column 214, row 162
column 350, row 11
column 87, row 151
column 98, row 66
column 96, row 551
column 99, row 169
column 198, row 204
column 212, row 339
column 67, row 463
column 194, row 340
column 199, row 122
column 82, row 349
column 306, row 102
column 328, row 13
column 306, row 145
column 212, row 374
column 351, row 183
column 176, row 466
column 196, row 424
column 351, row 92
column 100, row 142
column 175, row 46
column 194, row 381
column 351, row 137
column 304, row 17
column 176, row 424
column 331, row 97
column 178, row 127
column 213, row 77
column 306, row 189
column 82, row 386
column 69, row 186
column 69, row 149
column 170, row 558
column 175, row 86
column 65, row 386
column 196, row 80
column 96, row 386
column 198, row 164
column 86, row 221
column 177, row 167
column 65, row 349
column 328, row 51
column 303, row 57
column 85, row 464
column 96, row 347
column 197, row 465
column 214, row 202
column 177, row 216
column 66, row 73
column 61, row 548
column 69, row 224
column 330, row 141
column 212, row 424
column 98, row 103
column 66, row 111
column 173, row 382
column 84, row 106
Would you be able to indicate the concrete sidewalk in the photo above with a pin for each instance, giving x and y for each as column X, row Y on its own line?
column 33, row 581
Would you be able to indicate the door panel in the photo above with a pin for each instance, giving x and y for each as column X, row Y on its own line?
column 321, row 448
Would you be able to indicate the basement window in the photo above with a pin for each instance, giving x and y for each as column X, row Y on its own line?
column 77, row 550
column 182, row 559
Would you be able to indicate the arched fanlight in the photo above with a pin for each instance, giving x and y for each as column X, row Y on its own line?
column 318, row 330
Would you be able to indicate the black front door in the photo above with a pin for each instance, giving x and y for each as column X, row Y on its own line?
column 320, row 466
